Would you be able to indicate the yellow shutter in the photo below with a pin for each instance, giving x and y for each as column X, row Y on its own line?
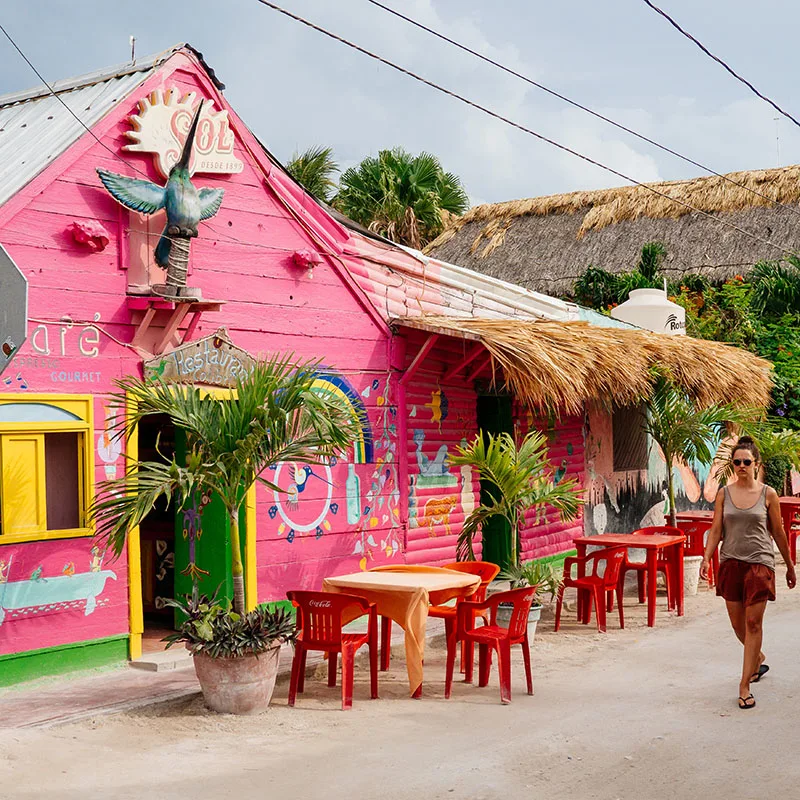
column 23, row 499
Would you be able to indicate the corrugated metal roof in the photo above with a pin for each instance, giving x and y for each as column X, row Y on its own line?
column 35, row 127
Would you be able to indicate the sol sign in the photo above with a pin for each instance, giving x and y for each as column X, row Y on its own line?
column 162, row 123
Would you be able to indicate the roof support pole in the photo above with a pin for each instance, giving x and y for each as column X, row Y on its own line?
column 451, row 373
column 484, row 362
column 402, row 425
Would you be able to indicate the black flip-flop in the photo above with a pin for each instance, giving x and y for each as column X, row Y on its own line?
column 762, row 670
column 744, row 705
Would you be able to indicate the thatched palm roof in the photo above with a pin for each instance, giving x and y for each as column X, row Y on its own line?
column 545, row 243
column 567, row 364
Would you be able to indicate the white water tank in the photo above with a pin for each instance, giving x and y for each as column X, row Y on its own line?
column 650, row 309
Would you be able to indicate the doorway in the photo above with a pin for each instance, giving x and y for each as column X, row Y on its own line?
column 181, row 546
column 495, row 416
column 157, row 540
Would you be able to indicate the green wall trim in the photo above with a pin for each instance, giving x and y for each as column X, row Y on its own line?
column 18, row 667
column 557, row 558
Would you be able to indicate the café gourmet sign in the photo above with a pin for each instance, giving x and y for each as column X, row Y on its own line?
column 213, row 361
column 162, row 123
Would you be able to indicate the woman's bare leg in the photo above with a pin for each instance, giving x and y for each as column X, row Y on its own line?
column 736, row 612
column 753, row 657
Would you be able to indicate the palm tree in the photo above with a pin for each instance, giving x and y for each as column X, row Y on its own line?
column 276, row 414
column 521, row 482
column 400, row 196
column 685, row 432
column 776, row 286
column 314, row 170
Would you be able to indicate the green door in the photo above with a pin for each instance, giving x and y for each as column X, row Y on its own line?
column 494, row 416
column 206, row 557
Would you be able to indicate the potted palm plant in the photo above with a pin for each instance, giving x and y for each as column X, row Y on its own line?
column 522, row 482
column 275, row 414
column 545, row 576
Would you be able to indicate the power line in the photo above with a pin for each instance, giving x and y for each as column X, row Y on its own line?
column 580, row 106
column 719, row 61
column 520, row 127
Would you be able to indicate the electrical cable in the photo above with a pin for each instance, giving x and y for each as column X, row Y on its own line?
column 519, row 126
column 580, row 106
column 719, row 61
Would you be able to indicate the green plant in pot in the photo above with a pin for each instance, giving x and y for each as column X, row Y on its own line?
column 545, row 576
column 276, row 414
column 523, row 484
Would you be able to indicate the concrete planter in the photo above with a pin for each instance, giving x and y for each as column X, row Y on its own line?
column 242, row 685
column 691, row 574
column 534, row 615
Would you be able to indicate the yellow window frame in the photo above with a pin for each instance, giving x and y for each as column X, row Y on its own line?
column 81, row 406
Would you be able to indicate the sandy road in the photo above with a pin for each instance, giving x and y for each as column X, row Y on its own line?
column 644, row 714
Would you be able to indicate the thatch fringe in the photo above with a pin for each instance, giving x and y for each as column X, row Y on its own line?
column 567, row 364
column 605, row 207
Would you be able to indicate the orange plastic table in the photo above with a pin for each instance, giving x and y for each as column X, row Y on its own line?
column 405, row 597
column 652, row 544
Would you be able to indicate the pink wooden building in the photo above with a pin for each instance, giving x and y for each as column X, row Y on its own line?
column 277, row 272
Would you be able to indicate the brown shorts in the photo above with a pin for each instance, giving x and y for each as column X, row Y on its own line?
column 746, row 583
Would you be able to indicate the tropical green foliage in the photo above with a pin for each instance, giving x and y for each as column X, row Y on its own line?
column 684, row 432
column 522, row 479
column 546, row 576
column 401, row 196
column 210, row 626
column 601, row 289
column 314, row 170
column 275, row 414
column 778, row 447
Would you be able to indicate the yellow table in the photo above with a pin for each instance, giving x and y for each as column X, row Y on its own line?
column 405, row 597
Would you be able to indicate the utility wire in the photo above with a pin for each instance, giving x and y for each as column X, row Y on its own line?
column 580, row 106
column 520, row 127
column 719, row 61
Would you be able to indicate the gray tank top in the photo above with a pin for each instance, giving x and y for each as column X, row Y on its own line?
column 745, row 534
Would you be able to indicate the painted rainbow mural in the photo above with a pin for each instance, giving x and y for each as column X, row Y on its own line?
column 340, row 386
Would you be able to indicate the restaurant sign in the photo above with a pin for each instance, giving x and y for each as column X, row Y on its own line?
column 213, row 361
column 162, row 123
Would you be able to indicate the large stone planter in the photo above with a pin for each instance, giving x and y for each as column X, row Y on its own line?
column 242, row 685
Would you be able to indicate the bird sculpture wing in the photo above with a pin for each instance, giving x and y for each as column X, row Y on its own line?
column 142, row 196
column 210, row 201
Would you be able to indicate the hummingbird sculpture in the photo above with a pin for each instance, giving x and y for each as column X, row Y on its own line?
column 185, row 205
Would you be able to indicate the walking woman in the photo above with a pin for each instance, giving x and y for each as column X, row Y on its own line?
column 747, row 517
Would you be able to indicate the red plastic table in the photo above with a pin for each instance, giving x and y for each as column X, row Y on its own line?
column 651, row 543
column 790, row 506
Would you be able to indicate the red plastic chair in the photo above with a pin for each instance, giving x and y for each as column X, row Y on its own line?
column 791, row 524
column 491, row 637
column 662, row 563
column 696, row 534
column 320, row 618
column 487, row 572
column 595, row 586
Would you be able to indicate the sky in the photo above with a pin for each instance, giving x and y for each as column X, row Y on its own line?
column 296, row 88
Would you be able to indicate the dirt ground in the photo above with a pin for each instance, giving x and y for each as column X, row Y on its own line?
column 640, row 713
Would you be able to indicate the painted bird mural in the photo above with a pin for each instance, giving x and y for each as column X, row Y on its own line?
column 185, row 205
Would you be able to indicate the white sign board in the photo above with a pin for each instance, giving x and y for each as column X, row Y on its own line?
column 13, row 309
column 162, row 123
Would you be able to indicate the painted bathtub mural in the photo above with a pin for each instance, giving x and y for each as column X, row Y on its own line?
column 41, row 593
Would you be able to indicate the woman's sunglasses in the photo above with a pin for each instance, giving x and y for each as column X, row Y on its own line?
column 737, row 462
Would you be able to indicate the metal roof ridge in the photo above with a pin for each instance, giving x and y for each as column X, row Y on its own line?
column 90, row 78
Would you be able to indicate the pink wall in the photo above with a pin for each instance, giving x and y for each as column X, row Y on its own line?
column 81, row 328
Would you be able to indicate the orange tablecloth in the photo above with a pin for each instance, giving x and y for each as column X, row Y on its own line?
column 405, row 597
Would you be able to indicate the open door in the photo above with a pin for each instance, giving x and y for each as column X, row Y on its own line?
column 495, row 416
column 203, row 543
